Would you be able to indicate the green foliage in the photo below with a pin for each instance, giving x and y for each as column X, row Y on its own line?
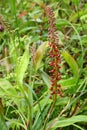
column 72, row 63
column 3, row 125
column 39, row 55
column 70, row 121
column 6, row 88
column 24, row 68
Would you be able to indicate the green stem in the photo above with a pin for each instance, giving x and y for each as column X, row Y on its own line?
column 50, row 111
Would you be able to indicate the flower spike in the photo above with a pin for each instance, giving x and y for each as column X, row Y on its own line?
column 54, row 53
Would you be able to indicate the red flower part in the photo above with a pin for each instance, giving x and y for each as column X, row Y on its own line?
column 51, row 88
column 54, row 53
column 51, row 63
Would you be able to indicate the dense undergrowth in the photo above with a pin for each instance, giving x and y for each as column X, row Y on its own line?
column 43, row 65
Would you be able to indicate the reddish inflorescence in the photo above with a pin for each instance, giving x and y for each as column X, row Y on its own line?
column 54, row 53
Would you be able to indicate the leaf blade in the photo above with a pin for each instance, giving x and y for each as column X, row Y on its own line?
column 72, row 64
column 22, row 67
column 69, row 121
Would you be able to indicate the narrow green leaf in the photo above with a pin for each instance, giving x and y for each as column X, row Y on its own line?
column 23, row 30
column 31, row 92
column 45, row 78
column 68, row 83
column 39, row 55
column 61, row 22
column 72, row 63
column 22, row 67
column 3, row 125
column 69, row 121
column 76, row 2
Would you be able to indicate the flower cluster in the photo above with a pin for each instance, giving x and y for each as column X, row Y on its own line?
column 53, row 53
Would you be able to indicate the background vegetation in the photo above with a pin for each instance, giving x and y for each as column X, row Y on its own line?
column 24, row 65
